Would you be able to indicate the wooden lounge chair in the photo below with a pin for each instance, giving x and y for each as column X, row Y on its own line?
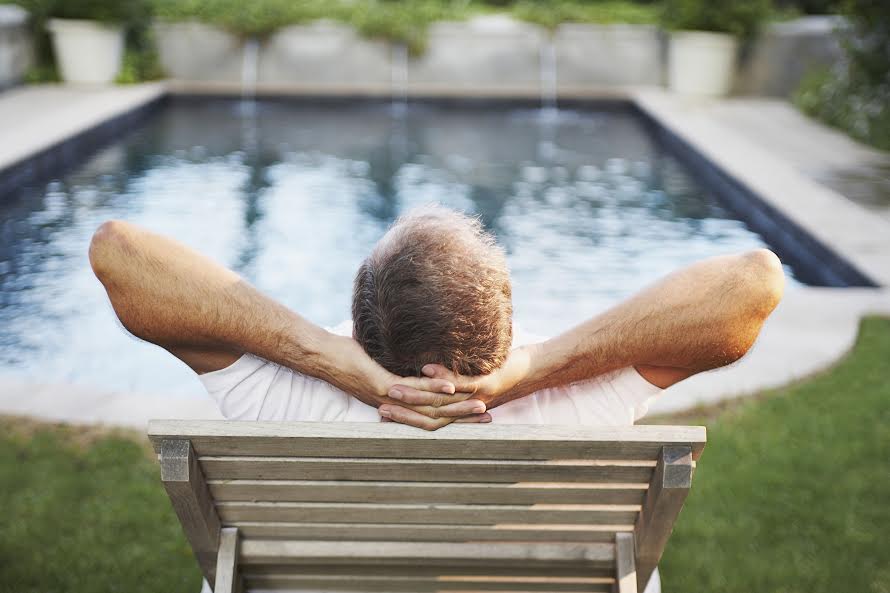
column 385, row 507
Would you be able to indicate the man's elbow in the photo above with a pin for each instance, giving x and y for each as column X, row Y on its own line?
column 106, row 246
column 760, row 283
column 764, row 281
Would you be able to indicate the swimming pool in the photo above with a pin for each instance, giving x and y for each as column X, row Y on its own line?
column 292, row 195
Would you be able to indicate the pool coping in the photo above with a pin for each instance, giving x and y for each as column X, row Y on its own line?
column 66, row 134
column 851, row 243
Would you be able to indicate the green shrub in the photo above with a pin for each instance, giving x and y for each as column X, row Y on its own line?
column 125, row 12
column 396, row 21
column 867, row 41
column 391, row 22
column 811, row 6
column 128, row 13
column 139, row 66
column 859, row 110
column 248, row 18
column 405, row 22
column 551, row 14
column 399, row 21
column 736, row 17
column 42, row 73
column 855, row 94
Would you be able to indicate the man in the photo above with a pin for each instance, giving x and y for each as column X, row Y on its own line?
column 431, row 340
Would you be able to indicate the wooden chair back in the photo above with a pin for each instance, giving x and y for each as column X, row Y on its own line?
column 385, row 507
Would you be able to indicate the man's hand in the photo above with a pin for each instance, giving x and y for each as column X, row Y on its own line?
column 487, row 391
column 433, row 400
column 431, row 411
column 432, row 407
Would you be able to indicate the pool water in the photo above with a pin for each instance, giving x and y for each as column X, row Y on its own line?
column 293, row 196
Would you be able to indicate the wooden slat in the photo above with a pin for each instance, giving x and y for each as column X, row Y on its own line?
column 323, row 582
column 190, row 497
column 416, row 492
column 552, row 580
column 430, row 532
column 426, row 470
column 431, row 554
column 625, row 565
column 667, row 493
column 456, row 441
column 321, row 512
column 228, row 577
column 421, row 569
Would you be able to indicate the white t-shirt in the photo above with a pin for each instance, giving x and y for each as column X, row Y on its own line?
column 252, row 388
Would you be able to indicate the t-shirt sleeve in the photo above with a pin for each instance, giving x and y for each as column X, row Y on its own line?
column 634, row 390
column 253, row 388
column 240, row 388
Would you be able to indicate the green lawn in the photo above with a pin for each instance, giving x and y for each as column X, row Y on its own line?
column 86, row 513
column 791, row 495
column 793, row 490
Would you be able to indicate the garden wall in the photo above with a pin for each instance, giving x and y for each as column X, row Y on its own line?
column 487, row 56
column 16, row 52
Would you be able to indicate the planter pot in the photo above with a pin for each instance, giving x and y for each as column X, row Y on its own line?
column 701, row 63
column 87, row 52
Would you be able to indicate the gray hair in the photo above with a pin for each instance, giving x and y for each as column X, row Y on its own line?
column 435, row 289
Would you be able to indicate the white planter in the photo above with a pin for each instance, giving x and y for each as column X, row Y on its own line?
column 87, row 52
column 701, row 63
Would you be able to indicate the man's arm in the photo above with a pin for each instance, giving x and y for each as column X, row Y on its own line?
column 699, row 318
column 207, row 316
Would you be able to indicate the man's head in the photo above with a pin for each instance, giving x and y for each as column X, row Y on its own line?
column 435, row 289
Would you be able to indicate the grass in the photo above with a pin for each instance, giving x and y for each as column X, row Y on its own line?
column 84, row 511
column 791, row 495
column 792, row 490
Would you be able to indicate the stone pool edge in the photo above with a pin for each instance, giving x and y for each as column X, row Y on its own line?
column 821, row 219
column 87, row 118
